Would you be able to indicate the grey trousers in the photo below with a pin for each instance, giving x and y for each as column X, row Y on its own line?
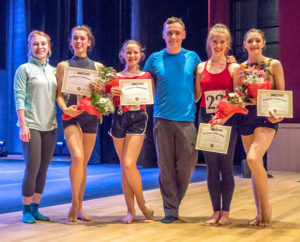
column 175, row 148
column 37, row 155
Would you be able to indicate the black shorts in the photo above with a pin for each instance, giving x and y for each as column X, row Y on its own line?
column 88, row 123
column 249, row 122
column 130, row 122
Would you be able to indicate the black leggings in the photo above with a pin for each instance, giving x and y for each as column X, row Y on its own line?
column 37, row 155
column 220, row 180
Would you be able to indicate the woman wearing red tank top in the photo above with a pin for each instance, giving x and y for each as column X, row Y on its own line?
column 214, row 78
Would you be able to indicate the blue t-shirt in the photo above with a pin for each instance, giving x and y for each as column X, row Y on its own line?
column 174, row 84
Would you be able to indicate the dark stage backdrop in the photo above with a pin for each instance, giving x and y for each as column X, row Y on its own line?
column 112, row 23
column 148, row 18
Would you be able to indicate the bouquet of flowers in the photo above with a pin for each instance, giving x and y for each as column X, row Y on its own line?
column 99, row 103
column 234, row 102
column 254, row 78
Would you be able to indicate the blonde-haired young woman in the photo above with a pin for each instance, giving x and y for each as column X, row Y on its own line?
column 214, row 78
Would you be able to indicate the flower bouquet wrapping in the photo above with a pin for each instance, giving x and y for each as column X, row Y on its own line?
column 233, row 103
column 99, row 103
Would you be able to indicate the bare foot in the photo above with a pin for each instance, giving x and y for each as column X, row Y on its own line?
column 224, row 219
column 83, row 216
column 72, row 215
column 256, row 221
column 149, row 212
column 266, row 218
column 214, row 218
column 128, row 219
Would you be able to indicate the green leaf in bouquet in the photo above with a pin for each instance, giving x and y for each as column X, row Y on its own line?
column 95, row 98
column 106, row 75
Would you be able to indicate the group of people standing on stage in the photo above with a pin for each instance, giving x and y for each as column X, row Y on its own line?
column 180, row 79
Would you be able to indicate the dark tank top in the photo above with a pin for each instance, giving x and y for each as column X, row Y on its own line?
column 79, row 62
column 212, row 82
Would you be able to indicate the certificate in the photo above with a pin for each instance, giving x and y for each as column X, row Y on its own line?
column 279, row 102
column 213, row 138
column 212, row 99
column 136, row 91
column 76, row 81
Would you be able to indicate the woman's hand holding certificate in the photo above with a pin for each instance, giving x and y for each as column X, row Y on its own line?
column 136, row 91
column 96, row 102
column 278, row 102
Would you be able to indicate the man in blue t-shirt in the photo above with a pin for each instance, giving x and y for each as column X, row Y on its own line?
column 173, row 70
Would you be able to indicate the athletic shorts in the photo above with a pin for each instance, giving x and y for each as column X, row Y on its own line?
column 88, row 123
column 249, row 122
column 130, row 122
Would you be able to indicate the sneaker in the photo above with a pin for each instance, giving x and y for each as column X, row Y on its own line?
column 36, row 214
column 28, row 218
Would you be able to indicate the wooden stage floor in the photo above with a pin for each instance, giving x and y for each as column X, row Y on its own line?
column 195, row 208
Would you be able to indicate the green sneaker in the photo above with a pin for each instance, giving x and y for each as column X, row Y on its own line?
column 27, row 216
column 36, row 214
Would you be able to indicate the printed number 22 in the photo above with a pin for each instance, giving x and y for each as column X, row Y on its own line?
column 211, row 99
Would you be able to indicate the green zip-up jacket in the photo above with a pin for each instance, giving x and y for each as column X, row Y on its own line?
column 35, row 92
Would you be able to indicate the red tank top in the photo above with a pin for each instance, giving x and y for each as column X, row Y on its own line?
column 212, row 82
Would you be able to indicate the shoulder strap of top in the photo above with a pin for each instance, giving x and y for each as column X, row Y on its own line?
column 147, row 75
column 268, row 61
column 227, row 68
column 205, row 65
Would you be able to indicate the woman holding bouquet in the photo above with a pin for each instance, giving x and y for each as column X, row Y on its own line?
column 258, row 132
column 80, row 129
column 214, row 78
column 35, row 93
column 128, row 131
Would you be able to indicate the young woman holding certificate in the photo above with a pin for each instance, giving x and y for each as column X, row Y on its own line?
column 258, row 132
column 214, row 78
column 35, row 93
column 128, row 130
column 81, row 130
